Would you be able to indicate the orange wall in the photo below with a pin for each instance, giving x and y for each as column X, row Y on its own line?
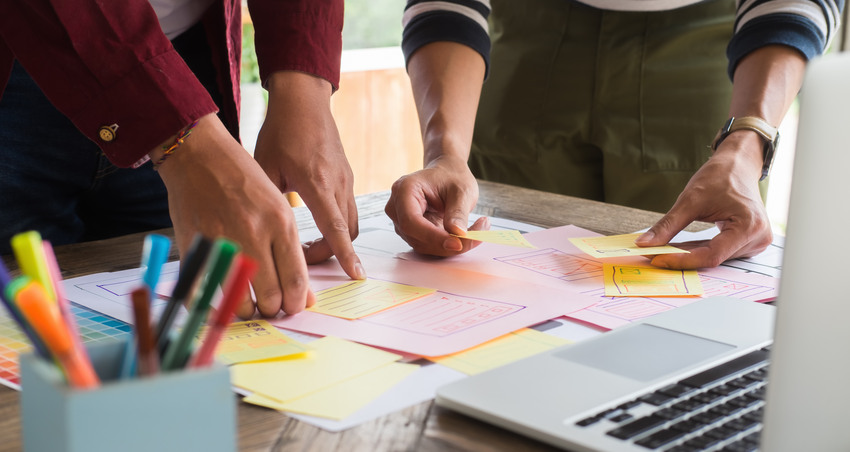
column 377, row 122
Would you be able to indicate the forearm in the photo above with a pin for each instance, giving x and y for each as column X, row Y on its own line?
column 446, row 78
column 767, row 82
column 765, row 85
column 295, row 91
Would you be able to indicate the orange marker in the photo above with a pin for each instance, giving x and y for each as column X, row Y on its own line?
column 44, row 316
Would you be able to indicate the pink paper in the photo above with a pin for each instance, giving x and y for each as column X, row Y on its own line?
column 559, row 264
column 469, row 308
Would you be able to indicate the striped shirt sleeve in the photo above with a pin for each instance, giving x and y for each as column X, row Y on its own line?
column 806, row 25
column 461, row 21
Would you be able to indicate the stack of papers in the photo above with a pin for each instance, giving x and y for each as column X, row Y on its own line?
column 368, row 348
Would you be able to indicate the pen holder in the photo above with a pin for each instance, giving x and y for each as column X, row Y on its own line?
column 186, row 410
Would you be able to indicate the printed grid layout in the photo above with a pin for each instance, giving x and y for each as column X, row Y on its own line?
column 93, row 326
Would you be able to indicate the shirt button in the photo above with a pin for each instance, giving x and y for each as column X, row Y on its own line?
column 108, row 133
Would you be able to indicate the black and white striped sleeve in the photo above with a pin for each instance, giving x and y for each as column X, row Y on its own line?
column 461, row 21
column 806, row 25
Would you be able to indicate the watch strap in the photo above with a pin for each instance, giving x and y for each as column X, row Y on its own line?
column 769, row 134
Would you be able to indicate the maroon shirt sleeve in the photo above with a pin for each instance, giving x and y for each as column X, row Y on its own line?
column 298, row 35
column 100, row 68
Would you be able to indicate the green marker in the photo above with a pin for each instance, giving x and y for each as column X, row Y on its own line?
column 15, row 286
column 218, row 264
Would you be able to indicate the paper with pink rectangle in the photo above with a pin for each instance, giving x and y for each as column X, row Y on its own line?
column 469, row 308
column 559, row 263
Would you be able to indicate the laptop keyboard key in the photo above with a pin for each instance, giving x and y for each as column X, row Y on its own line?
column 589, row 421
column 670, row 413
column 712, row 375
column 725, row 390
column 709, row 416
column 689, row 405
column 707, row 397
column 721, row 433
column 740, row 446
column 656, row 398
column 629, row 405
column 688, row 426
column 660, row 438
column 622, row 417
column 702, row 442
column 637, row 427
column 676, row 390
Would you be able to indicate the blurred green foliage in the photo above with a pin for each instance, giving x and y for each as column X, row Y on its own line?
column 372, row 23
column 250, row 69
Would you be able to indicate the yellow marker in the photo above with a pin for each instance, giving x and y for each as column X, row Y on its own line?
column 32, row 260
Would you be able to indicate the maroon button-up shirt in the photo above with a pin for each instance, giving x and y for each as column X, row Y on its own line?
column 107, row 63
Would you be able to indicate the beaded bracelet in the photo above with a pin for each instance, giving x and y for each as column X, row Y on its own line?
column 168, row 150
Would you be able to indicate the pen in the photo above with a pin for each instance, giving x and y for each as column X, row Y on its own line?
column 235, row 291
column 37, row 343
column 31, row 259
column 189, row 270
column 154, row 255
column 220, row 258
column 45, row 318
column 148, row 359
column 61, row 300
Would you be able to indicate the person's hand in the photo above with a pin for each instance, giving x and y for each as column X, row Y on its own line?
column 429, row 205
column 724, row 191
column 215, row 188
column 300, row 150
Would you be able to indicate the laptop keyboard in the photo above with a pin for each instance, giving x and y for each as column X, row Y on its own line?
column 719, row 409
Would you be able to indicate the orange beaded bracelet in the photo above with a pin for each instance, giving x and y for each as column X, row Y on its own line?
column 168, row 150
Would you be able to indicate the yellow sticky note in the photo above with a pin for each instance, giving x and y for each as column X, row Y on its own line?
column 361, row 298
column 331, row 361
column 634, row 281
column 343, row 399
column 620, row 245
column 253, row 340
column 500, row 351
column 510, row 238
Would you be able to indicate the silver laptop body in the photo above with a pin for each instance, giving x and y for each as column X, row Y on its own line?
column 581, row 396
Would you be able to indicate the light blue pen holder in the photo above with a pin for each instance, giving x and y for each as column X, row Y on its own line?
column 175, row 411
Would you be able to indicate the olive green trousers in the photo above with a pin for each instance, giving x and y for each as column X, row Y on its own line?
column 614, row 106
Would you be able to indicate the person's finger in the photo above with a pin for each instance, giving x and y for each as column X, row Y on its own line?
column 481, row 224
column 457, row 207
column 281, row 281
column 246, row 308
column 667, row 227
column 267, row 287
column 722, row 247
column 420, row 227
column 336, row 239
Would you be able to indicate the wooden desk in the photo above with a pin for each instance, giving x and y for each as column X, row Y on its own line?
column 424, row 427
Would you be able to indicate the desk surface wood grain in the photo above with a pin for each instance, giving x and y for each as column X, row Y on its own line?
column 423, row 427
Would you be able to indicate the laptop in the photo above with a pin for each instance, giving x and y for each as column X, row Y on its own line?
column 719, row 374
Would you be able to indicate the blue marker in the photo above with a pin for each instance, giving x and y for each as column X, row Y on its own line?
column 154, row 255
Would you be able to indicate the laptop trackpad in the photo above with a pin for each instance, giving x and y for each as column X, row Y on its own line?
column 643, row 352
